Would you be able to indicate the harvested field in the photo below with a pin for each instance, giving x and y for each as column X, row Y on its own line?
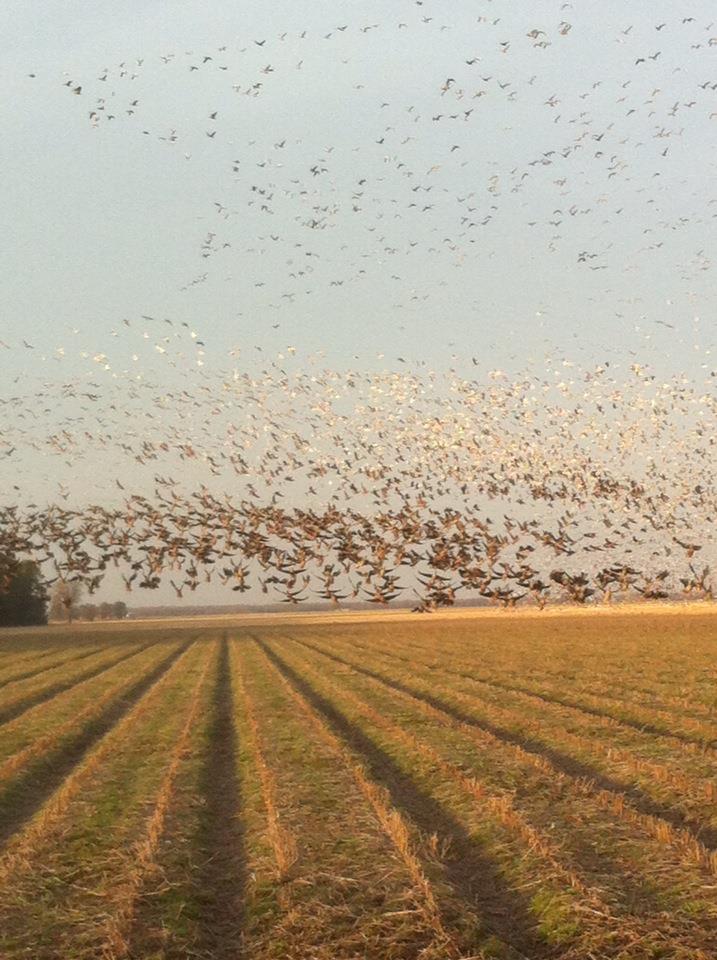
column 471, row 786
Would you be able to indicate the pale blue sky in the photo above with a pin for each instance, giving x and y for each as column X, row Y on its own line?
column 105, row 223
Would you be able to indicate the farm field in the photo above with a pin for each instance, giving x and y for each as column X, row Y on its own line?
column 483, row 786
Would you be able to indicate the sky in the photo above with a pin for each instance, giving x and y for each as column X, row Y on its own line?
column 187, row 193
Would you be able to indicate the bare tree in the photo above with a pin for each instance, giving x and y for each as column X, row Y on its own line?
column 65, row 597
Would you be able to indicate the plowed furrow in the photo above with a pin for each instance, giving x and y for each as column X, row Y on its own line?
column 23, row 844
column 35, row 670
column 19, row 706
column 26, row 795
column 141, row 859
column 662, row 823
column 666, row 770
column 222, row 870
column 473, row 876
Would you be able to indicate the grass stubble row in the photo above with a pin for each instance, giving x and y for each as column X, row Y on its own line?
column 355, row 792
column 32, row 650
column 21, row 695
column 186, row 900
column 58, row 872
column 350, row 880
column 320, row 876
column 14, row 668
column 628, row 654
column 39, row 749
column 638, row 873
column 493, row 934
column 489, row 724
column 139, row 861
column 648, row 664
column 675, row 774
column 44, row 727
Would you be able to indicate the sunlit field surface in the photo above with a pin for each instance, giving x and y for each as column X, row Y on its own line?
column 474, row 785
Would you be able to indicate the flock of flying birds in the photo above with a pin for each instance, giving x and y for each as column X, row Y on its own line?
column 507, row 133
column 563, row 480
column 562, row 483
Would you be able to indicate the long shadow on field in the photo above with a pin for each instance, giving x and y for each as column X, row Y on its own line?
column 222, row 878
column 571, row 703
column 14, row 710
column 36, row 670
column 474, row 877
column 653, row 729
column 563, row 762
column 27, row 794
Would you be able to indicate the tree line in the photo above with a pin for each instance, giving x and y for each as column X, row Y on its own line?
column 23, row 595
column 92, row 611
column 25, row 600
column 65, row 605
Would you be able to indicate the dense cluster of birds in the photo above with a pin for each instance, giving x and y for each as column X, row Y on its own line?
column 383, row 478
column 574, row 483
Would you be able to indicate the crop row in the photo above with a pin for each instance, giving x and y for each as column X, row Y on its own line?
column 301, row 793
